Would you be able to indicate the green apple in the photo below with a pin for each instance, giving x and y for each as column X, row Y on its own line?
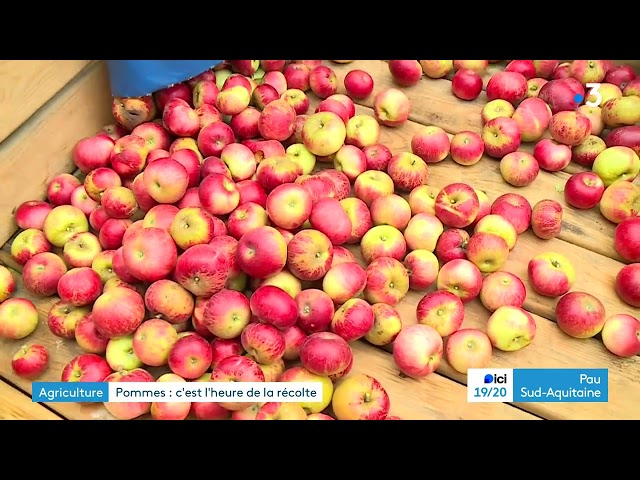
column 221, row 77
column 62, row 223
column 302, row 157
column 324, row 133
column 617, row 112
column 120, row 355
column 237, row 281
column 617, row 163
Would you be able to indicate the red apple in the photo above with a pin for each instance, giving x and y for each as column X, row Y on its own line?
column 297, row 76
column 315, row 310
column 570, row 127
column 277, row 80
column 61, row 187
column 546, row 219
column 42, row 272
column 323, row 81
column 466, row 84
column 218, row 194
column 525, row 67
column 584, row 190
column 353, row 319
column 214, row 137
column 620, row 75
column 328, row 217
column 417, row 350
column 514, row 208
column 405, row 72
column 263, row 95
column 325, row 353
column 30, row 361
column 237, row 369
column 501, row 289
column 545, row 68
column 466, row 148
column 391, row 107
column 431, row 144
column 190, row 357
column 277, row 120
column 79, row 286
column 580, row 315
column 86, row 367
column 551, row 155
column 621, row 335
column 519, row 168
column 441, row 310
column 179, row 90
column 561, row 94
column 262, row 252
column 452, row 244
column 272, row 305
column 457, row 205
column 223, row 348
column 551, row 274
column 150, row 254
column 31, row 242
column 377, row 156
column 154, row 134
column 507, row 85
column 627, row 284
column 627, row 239
column 31, row 214
column 360, row 397
column 93, row 152
column 501, row 136
column 358, row 84
column 460, row 277
column 203, row 269
column 264, row 343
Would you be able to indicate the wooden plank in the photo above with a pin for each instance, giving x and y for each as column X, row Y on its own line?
column 431, row 398
column 15, row 405
column 550, row 349
column 26, row 85
column 40, row 149
column 586, row 228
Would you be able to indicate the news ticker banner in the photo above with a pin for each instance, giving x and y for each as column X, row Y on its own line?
column 86, row 392
column 538, row 385
column 483, row 385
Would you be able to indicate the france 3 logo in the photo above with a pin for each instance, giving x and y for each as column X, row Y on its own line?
column 501, row 379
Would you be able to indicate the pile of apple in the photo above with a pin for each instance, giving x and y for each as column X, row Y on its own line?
column 211, row 241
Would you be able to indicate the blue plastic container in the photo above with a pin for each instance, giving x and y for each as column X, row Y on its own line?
column 137, row 78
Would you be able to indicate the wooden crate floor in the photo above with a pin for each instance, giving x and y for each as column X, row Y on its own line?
column 586, row 239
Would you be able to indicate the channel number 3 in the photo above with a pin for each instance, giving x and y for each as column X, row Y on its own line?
column 596, row 93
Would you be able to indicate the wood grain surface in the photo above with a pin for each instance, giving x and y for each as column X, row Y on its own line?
column 41, row 148
column 26, row 85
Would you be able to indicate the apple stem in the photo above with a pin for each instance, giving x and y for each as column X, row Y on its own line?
column 367, row 397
